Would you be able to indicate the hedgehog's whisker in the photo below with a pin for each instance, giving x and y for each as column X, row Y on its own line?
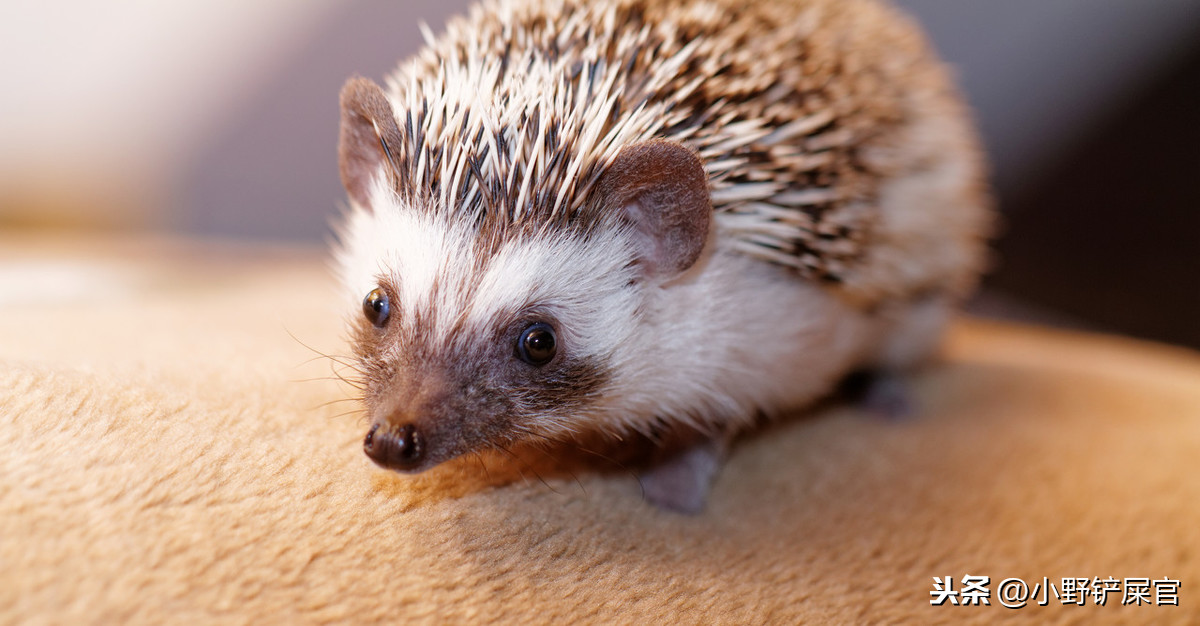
column 316, row 378
column 545, row 451
column 344, row 414
column 482, row 464
column 336, row 359
column 522, row 466
column 335, row 401
column 567, row 443
column 356, row 383
column 340, row 360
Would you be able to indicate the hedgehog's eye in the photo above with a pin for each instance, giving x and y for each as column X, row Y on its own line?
column 376, row 307
column 536, row 345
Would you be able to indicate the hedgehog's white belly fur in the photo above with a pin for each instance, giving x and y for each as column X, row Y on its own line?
column 736, row 336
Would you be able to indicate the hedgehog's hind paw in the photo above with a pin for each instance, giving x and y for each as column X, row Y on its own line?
column 682, row 481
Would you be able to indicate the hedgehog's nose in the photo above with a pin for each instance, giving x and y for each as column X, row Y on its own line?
column 395, row 448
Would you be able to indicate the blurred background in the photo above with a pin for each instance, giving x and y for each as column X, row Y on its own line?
column 218, row 118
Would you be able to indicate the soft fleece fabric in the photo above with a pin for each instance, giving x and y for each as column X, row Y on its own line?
column 162, row 460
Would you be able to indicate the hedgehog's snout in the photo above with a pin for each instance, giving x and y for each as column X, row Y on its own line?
column 397, row 448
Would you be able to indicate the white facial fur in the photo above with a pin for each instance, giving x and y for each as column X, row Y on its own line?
column 712, row 346
column 583, row 284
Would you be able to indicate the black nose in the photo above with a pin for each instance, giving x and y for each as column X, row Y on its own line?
column 394, row 448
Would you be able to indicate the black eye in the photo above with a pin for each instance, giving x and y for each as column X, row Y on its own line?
column 536, row 345
column 376, row 307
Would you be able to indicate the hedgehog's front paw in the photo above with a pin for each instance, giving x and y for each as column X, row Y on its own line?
column 681, row 482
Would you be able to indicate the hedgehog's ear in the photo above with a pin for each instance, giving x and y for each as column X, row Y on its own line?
column 368, row 137
column 661, row 189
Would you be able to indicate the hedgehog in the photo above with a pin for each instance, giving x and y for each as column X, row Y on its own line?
column 610, row 218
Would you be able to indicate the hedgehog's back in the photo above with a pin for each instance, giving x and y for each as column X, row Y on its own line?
column 833, row 141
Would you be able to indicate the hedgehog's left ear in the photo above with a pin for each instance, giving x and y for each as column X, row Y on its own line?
column 368, row 136
column 661, row 189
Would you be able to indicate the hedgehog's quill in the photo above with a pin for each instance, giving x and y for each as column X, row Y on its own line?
column 601, row 217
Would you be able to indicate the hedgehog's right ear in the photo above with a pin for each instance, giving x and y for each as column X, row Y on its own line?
column 661, row 190
column 369, row 135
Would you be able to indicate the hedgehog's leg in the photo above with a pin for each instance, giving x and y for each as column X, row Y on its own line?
column 681, row 481
column 881, row 392
column 916, row 332
column 881, row 388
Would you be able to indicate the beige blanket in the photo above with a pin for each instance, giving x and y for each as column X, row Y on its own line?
column 162, row 460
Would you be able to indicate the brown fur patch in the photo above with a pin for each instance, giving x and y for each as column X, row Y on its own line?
column 368, row 132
